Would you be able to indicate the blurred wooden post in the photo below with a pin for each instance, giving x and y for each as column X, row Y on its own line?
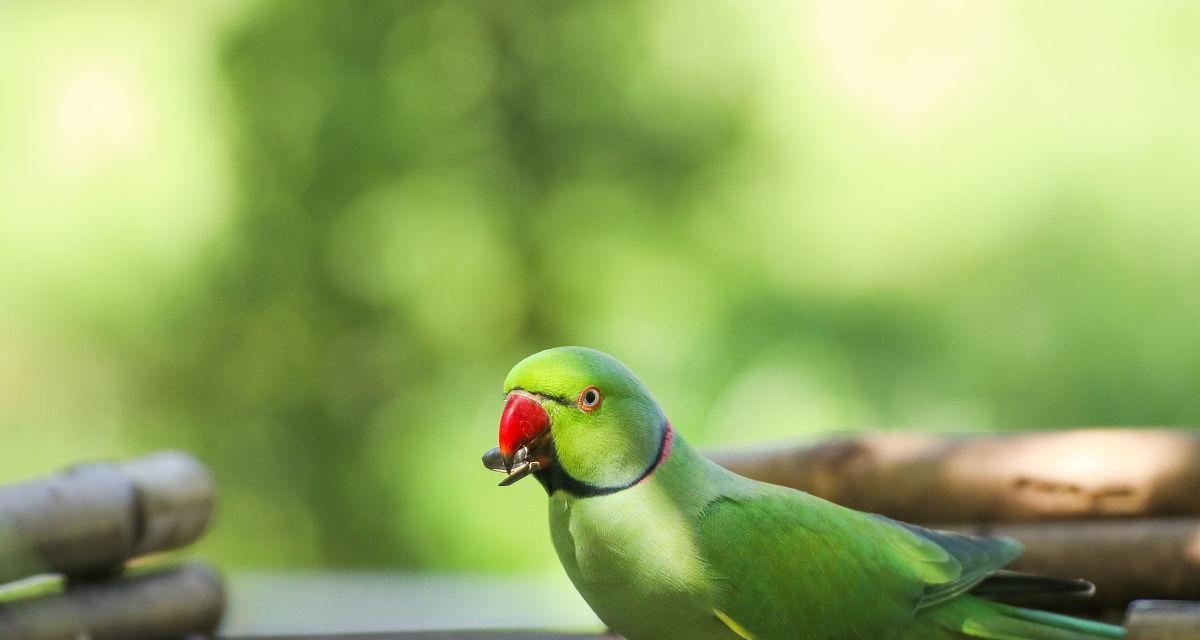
column 171, row 604
column 90, row 519
column 438, row 635
column 1163, row 620
column 992, row 478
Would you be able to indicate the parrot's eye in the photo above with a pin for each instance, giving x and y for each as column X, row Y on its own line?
column 589, row 399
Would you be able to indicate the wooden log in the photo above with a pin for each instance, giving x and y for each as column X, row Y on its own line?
column 1163, row 620
column 88, row 520
column 1125, row 559
column 440, row 635
column 167, row 605
column 1035, row 476
column 1146, row 620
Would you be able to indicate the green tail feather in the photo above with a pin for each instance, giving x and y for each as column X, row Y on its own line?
column 1015, row 623
column 1067, row 622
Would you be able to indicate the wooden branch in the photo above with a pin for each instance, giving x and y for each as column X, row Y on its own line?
column 1145, row 620
column 932, row 478
column 1126, row 559
column 440, row 635
column 1163, row 620
column 90, row 519
column 171, row 604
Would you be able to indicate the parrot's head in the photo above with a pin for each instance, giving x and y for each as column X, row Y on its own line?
column 578, row 420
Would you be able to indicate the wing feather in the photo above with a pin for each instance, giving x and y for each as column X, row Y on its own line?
column 977, row 558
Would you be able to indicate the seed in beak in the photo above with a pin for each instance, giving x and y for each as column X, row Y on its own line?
column 520, row 471
column 518, row 468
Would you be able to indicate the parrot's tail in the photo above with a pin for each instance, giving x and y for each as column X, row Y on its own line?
column 1004, row 622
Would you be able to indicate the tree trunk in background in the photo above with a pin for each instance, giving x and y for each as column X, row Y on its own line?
column 1159, row 620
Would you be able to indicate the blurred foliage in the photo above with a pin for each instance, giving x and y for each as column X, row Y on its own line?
column 306, row 240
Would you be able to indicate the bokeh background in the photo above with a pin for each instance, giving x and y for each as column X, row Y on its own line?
column 306, row 240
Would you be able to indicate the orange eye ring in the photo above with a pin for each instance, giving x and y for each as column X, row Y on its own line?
column 589, row 399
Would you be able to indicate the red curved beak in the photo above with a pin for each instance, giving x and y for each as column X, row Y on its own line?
column 522, row 422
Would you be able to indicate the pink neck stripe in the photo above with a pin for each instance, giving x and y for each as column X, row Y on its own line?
column 664, row 451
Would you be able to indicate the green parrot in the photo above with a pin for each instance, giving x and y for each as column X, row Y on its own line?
column 663, row 543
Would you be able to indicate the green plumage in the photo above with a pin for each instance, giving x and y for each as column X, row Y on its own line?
column 696, row 552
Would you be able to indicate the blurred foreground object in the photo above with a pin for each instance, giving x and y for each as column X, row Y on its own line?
column 1145, row 620
column 992, row 478
column 84, row 524
column 439, row 635
column 1164, row 620
column 90, row 519
column 173, row 604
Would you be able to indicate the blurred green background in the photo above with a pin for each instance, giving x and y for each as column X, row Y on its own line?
column 306, row 240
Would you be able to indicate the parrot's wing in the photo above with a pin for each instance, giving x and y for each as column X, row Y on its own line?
column 785, row 560
column 778, row 550
column 977, row 558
